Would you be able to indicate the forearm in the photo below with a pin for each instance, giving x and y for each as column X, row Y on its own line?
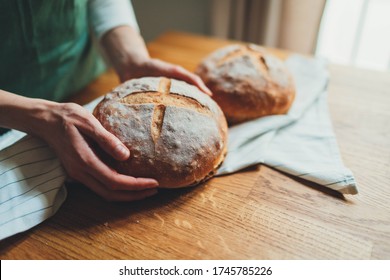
column 126, row 50
column 22, row 113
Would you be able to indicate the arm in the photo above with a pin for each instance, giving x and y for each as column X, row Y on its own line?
column 67, row 127
column 116, row 28
column 129, row 56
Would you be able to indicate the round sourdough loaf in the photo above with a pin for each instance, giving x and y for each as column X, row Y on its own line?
column 247, row 82
column 176, row 134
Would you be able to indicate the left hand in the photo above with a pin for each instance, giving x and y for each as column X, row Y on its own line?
column 129, row 56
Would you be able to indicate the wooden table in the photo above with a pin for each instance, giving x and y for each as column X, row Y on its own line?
column 258, row 213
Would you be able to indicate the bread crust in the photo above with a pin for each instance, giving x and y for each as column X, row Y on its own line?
column 247, row 82
column 176, row 134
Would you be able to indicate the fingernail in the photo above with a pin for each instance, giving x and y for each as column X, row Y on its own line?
column 207, row 91
column 153, row 183
column 122, row 151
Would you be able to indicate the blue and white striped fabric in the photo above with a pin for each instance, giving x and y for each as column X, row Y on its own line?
column 31, row 183
column 301, row 143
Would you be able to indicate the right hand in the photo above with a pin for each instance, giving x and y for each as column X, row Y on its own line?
column 67, row 128
column 127, row 52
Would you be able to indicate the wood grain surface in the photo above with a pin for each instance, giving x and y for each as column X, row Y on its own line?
column 258, row 213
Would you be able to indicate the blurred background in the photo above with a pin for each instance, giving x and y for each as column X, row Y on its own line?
column 349, row 32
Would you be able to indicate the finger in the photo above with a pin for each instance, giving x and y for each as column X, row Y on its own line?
column 106, row 140
column 115, row 180
column 191, row 78
column 180, row 73
column 110, row 195
column 107, row 176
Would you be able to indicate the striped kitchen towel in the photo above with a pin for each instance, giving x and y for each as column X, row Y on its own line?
column 31, row 183
column 301, row 143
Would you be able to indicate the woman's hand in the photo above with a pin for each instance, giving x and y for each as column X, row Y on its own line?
column 69, row 128
column 128, row 54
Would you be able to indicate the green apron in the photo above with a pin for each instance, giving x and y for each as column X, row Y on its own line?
column 46, row 50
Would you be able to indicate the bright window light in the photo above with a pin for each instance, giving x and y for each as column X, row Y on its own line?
column 356, row 32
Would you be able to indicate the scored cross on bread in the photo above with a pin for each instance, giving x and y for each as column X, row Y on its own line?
column 176, row 134
column 162, row 99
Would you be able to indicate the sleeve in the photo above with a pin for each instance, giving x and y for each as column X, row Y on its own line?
column 107, row 14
